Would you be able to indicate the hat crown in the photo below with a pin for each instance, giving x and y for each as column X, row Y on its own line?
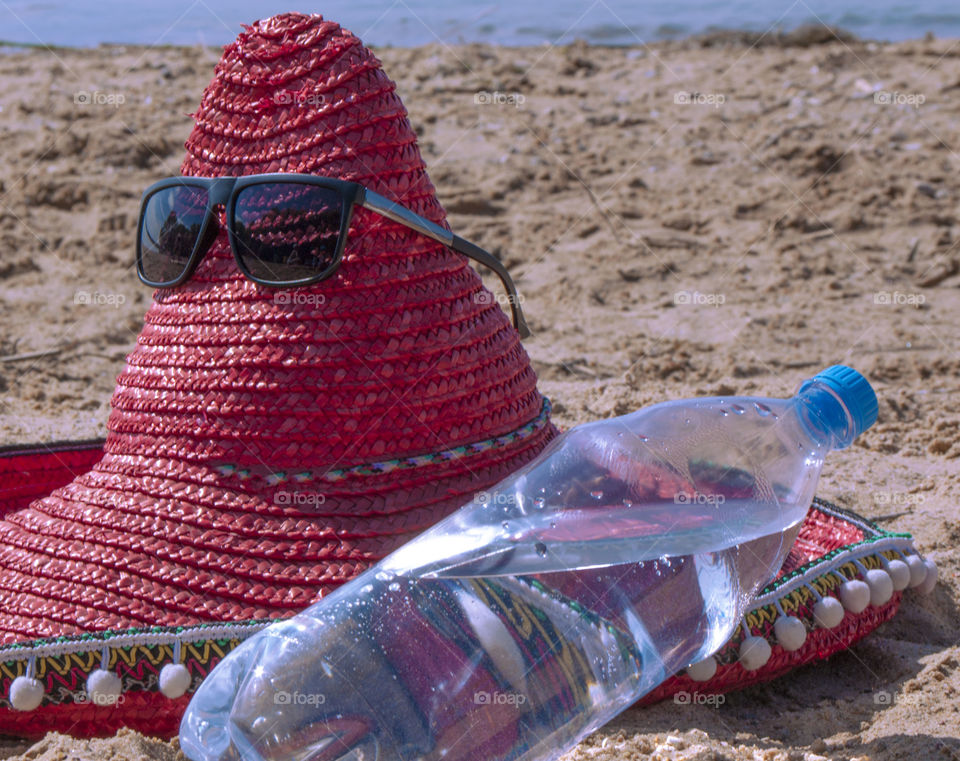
column 401, row 352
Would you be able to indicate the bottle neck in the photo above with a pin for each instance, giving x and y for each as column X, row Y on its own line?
column 824, row 416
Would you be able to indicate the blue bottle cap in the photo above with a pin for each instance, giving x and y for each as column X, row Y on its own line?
column 854, row 391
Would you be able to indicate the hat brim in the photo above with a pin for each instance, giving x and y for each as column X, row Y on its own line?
column 832, row 545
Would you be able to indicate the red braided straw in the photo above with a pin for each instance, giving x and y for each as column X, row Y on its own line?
column 147, row 712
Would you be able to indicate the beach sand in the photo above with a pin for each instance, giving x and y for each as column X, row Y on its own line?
column 779, row 221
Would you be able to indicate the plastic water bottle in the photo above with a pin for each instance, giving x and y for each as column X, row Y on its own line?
column 626, row 551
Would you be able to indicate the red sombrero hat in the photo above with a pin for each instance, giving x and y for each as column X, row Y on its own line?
column 263, row 450
column 264, row 446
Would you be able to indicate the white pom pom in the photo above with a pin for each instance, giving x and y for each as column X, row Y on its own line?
column 918, row 571
column 855, row 595
column 930, row 580
column 703, row 671
column 881, row 586
column 828, row 612
column 26, row 693
column 899, row 574
column 790, row 631
column 754, row 653
column 174, row 680
column 104, row 688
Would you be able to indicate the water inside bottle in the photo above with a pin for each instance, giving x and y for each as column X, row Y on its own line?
column 581, row 538
column 611, row 515
column 508, row 631
column 467, row 668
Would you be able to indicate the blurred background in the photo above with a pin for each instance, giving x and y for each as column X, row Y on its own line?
column 418, row 22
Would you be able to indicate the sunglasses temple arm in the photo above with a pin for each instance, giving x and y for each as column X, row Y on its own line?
column 465, row 247
column 404, row 216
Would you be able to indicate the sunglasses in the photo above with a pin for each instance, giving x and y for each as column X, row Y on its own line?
column 285, row 230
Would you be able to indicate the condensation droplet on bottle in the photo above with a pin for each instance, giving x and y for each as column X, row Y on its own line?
column 506, row 525
column 539, row 502
column 596, row 494
column 723, row 412
column 627, row 502
column 553, row 524
column 738, row 409
column 642, row 437
column 541, row 549
column 394, row 587
column 687, row 421
column 763, row 410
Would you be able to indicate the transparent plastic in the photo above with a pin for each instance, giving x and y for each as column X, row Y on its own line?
column 626, row 551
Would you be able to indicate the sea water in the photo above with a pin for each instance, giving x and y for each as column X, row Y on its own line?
column 420, row 22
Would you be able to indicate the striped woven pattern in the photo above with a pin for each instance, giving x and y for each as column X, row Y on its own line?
column 831, row 543
column 197, row 510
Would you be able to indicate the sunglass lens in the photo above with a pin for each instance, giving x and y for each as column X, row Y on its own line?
column 171, row 225
column 287, row 232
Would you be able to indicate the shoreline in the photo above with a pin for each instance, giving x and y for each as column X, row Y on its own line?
column 803, row 35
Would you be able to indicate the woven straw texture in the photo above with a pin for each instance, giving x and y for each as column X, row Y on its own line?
column 212, row 500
